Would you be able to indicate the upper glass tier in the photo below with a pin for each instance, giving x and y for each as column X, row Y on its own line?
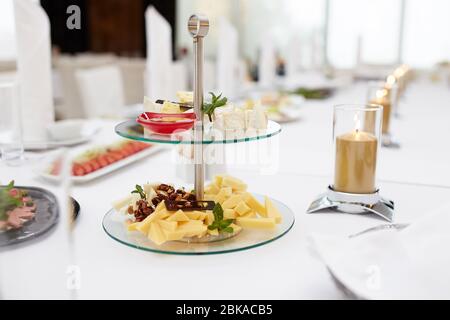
column 132, row 130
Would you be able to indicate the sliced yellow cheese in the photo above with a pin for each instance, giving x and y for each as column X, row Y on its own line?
column 229, row 214
column 183, row 224
column 192, row 228
column 159, row 214
column 193, row 215
column 202, row 215
column 178, row 216
column 254, row 204
column 168, row 225
column 156, row 234
column 272, row 211
column 232, row 201
column 250, row 214
column 119, row 204
column 174, row 235
column 256, row 223
column 242, row 208
column 234, row 183
column 132, row 226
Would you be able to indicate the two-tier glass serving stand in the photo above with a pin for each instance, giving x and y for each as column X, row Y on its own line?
column 200, row 135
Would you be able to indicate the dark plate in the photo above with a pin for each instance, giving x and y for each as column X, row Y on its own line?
column 47, row 215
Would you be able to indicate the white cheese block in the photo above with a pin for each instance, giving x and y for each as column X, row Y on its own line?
column 234, row 120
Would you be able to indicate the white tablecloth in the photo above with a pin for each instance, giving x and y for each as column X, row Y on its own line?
column 417, row 177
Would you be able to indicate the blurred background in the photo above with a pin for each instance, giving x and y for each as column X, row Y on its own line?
column 361, row 37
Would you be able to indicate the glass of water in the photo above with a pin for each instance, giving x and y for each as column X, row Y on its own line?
column 11, row 143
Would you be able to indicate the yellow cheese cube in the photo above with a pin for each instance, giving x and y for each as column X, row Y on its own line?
column 119, row 204
column 178, row 216
column 254, row 204
column 168, row 225
column 202, row 215
column 223, row 194
column 214, row 232
column 212, row 189
column 234, row 183
column 156, row 234
column 209, row 219
column 242, row 208
column 272, row 211
column 229, row 214
column 218, row 180
column 256, row 223
column 232, row 201
column 209, row 197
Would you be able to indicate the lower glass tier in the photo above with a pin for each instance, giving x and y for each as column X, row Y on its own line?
column 132, row 130
column 114, row 226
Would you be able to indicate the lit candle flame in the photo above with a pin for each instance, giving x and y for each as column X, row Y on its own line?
column 381, row 93
column 390, row 81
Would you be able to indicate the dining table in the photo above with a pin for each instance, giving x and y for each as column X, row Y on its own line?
column 82, row 262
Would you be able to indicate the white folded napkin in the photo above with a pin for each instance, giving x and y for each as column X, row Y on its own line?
column 159, row 56
column 227, row 59
column 101, row 91
column 410, row 264
column 34, row 69
column 293, row 57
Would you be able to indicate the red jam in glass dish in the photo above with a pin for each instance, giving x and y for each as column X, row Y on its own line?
column 166, row 123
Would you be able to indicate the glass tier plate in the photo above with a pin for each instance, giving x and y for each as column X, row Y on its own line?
column 114, row 226
column 132, row 130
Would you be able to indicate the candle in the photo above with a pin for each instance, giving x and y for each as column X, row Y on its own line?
column 383, row 98
column 356, row 157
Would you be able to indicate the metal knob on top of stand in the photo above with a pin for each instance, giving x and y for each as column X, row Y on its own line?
column 198, row 27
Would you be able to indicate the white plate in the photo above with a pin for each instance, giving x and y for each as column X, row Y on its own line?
column 89, row 131
column 42, row 170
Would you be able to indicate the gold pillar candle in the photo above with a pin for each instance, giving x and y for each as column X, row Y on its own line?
column 355, row 166
column 382, row 98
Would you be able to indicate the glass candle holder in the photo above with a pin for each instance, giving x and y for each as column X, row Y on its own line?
column 384, row 94
column 356, row 136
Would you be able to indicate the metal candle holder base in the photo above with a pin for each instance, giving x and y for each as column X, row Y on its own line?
column 354, row 203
